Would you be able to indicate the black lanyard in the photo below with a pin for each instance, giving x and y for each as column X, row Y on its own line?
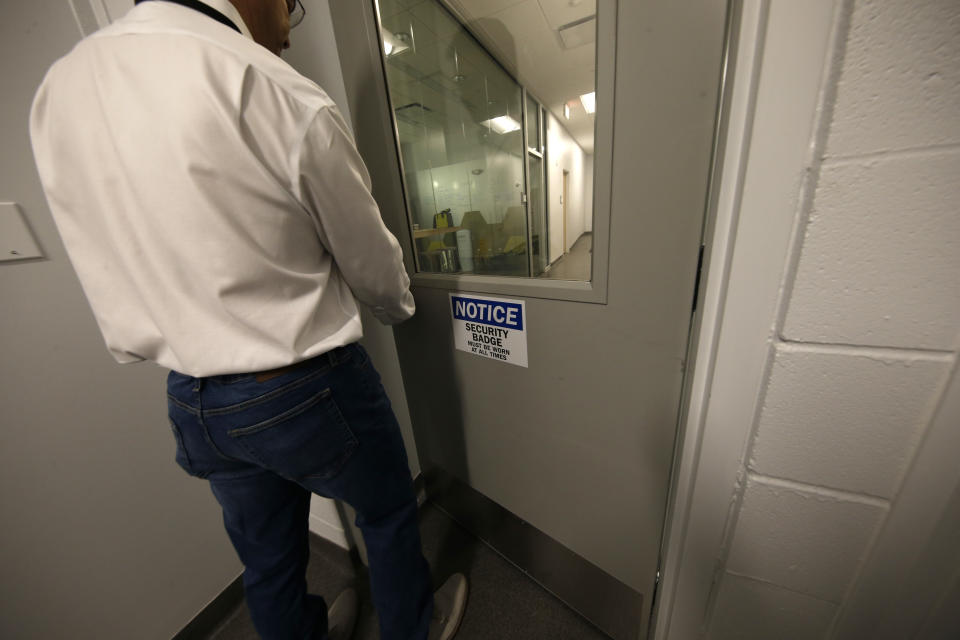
column 204, row 9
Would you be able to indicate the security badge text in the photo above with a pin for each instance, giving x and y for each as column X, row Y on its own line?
column 490, row 327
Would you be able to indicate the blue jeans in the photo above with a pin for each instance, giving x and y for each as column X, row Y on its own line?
column 265, row 443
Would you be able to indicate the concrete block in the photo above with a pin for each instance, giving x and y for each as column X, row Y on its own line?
column 751, row 610
column 900, row 82
column 881, row 256
column 804, row 541
column 845, row 420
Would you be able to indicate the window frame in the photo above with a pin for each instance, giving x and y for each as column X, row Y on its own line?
column 592, row 291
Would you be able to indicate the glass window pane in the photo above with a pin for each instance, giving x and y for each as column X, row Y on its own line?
column 459, row 120
column 495, row 146
column 533, row 124
column 537, row 204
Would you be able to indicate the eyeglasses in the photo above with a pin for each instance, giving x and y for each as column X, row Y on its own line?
column 297, row 12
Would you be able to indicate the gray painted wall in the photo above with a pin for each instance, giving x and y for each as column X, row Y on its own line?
column 103, row 535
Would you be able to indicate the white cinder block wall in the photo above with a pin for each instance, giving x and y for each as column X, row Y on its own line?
column 868, row 326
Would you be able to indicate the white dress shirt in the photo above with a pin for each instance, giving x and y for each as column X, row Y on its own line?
column 210, row 197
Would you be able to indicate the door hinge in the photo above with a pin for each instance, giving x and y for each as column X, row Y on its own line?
column 696, row 283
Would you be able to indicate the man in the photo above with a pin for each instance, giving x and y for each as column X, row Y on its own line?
column 220, row 219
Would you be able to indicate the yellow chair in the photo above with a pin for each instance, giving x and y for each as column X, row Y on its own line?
column 513, row 231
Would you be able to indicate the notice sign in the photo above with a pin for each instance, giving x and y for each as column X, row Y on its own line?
column 490, row 327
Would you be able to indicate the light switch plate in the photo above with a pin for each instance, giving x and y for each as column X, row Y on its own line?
column 16, row 240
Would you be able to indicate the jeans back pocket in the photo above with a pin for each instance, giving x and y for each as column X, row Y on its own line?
column 310, row 439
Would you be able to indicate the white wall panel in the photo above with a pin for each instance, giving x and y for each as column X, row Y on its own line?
column 564, row 154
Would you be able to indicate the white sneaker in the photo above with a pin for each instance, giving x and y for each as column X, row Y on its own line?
column 342, row 615
column 449, row 602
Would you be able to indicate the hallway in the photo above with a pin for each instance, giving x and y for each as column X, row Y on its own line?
column 575, row 264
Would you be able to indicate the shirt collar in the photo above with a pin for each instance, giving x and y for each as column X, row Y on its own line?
column 226, row 8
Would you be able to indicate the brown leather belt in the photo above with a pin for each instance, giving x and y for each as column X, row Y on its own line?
column 334, row 356
column 270, row 374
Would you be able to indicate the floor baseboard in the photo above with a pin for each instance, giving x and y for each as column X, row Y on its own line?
column 214, row 614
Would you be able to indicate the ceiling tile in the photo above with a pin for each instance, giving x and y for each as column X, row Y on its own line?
column 520, row 34
column 562, row 12
column 580, row 33
column 472, row 9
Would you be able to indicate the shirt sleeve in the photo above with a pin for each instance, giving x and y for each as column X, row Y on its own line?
column 335, row 187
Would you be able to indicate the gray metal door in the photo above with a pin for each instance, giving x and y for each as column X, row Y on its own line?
column 566, row 462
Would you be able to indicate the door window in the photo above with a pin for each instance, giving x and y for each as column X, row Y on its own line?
column 488, row 116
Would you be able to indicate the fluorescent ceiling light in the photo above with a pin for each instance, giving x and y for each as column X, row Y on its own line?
column 392, row 44
column 566, row 111
column 502, row 124
column 589, row 101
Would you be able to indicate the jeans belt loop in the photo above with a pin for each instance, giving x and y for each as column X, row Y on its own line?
column 332, row 357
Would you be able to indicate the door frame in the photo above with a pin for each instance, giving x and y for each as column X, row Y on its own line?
column 746, row 250
column 563, row 208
